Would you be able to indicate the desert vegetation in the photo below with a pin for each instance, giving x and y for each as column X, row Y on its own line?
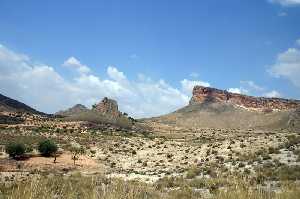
column 87, row 155
column 77, row 186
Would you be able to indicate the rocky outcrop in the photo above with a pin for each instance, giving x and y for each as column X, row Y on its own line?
column 78, row 108
column 202, row 94
column 108, row 107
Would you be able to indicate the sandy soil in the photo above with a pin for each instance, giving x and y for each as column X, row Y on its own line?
column 63, row 161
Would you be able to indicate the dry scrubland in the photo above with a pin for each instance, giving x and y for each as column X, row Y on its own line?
column 160, row 161
column 77, row 186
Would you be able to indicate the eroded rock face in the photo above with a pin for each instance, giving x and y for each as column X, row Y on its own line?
column 202, row 94
column 108, row 107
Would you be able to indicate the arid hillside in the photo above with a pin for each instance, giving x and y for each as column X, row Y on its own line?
column 214, row 108
column 11, row 105
column 103, row 153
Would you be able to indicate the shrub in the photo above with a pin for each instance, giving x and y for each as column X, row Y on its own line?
column 192, row 172
column 273, row 150
column 93, row 152
column 289, row 172
column 15, row 150
column 47, row 148
column 241, row 164
column 28, row 149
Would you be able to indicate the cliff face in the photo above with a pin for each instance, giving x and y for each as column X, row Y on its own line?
column 108, row 107
column 202, row 94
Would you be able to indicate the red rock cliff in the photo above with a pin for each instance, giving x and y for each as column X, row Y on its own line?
column 201, row 94
column 108, row 107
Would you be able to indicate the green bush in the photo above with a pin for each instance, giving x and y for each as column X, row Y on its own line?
column 15, row 150
column 47, row 148
column 192, row 172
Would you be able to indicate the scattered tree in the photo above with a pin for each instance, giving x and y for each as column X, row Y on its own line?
column 15, row 150
column 76, row 150
column 48, row 148
column 132, row 119
column 28, row 149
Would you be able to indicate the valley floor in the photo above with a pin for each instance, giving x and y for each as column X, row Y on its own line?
column 167, row 162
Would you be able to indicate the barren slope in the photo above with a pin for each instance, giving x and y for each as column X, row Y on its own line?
column 222, row 115
column 214, row 108
column 11, row 105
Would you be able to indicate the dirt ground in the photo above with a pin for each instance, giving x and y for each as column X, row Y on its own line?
column 63, row 162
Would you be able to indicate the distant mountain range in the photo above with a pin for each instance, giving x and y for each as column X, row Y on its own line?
column 78, row 108
column 208, row 108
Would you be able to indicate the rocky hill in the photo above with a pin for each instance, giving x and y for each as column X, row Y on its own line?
column 108, row 107
column 104, row 112
column 214, row 108
column 201, row 94
column 78, row 108
column 10, row 105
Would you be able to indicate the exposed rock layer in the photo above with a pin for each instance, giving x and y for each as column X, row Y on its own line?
column 202, row 94
column 108, row 107
column 214, row 108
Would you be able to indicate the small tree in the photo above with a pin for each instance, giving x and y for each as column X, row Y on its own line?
column 76, row 150
column 47, row 148
column 15, row 150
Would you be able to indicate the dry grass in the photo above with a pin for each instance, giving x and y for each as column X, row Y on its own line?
column 78, row 186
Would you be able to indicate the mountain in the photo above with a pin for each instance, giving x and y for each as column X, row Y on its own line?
column 106, row 107
column 78, row 108
column 105, row 112
column 215, row 108
column 10, row 105
column 202, row 94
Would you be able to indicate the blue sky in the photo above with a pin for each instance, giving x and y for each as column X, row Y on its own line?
column 146, row 54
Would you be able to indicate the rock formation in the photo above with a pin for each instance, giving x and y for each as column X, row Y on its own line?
column 202, row 94
column 214, row 108
column 108, row 107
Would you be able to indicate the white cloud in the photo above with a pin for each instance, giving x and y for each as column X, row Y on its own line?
column 287, row 66
column 74, row 63
column 188, row 85
column 116, row 75
column 133, row 56
column 282, row 14
column 238, row 90
column 251, row 88
column 247, row 88
column 252, row 85
column 194, row 75
column 298, row 42
column 272, row 93
column 43, row 88
column 286, row 2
